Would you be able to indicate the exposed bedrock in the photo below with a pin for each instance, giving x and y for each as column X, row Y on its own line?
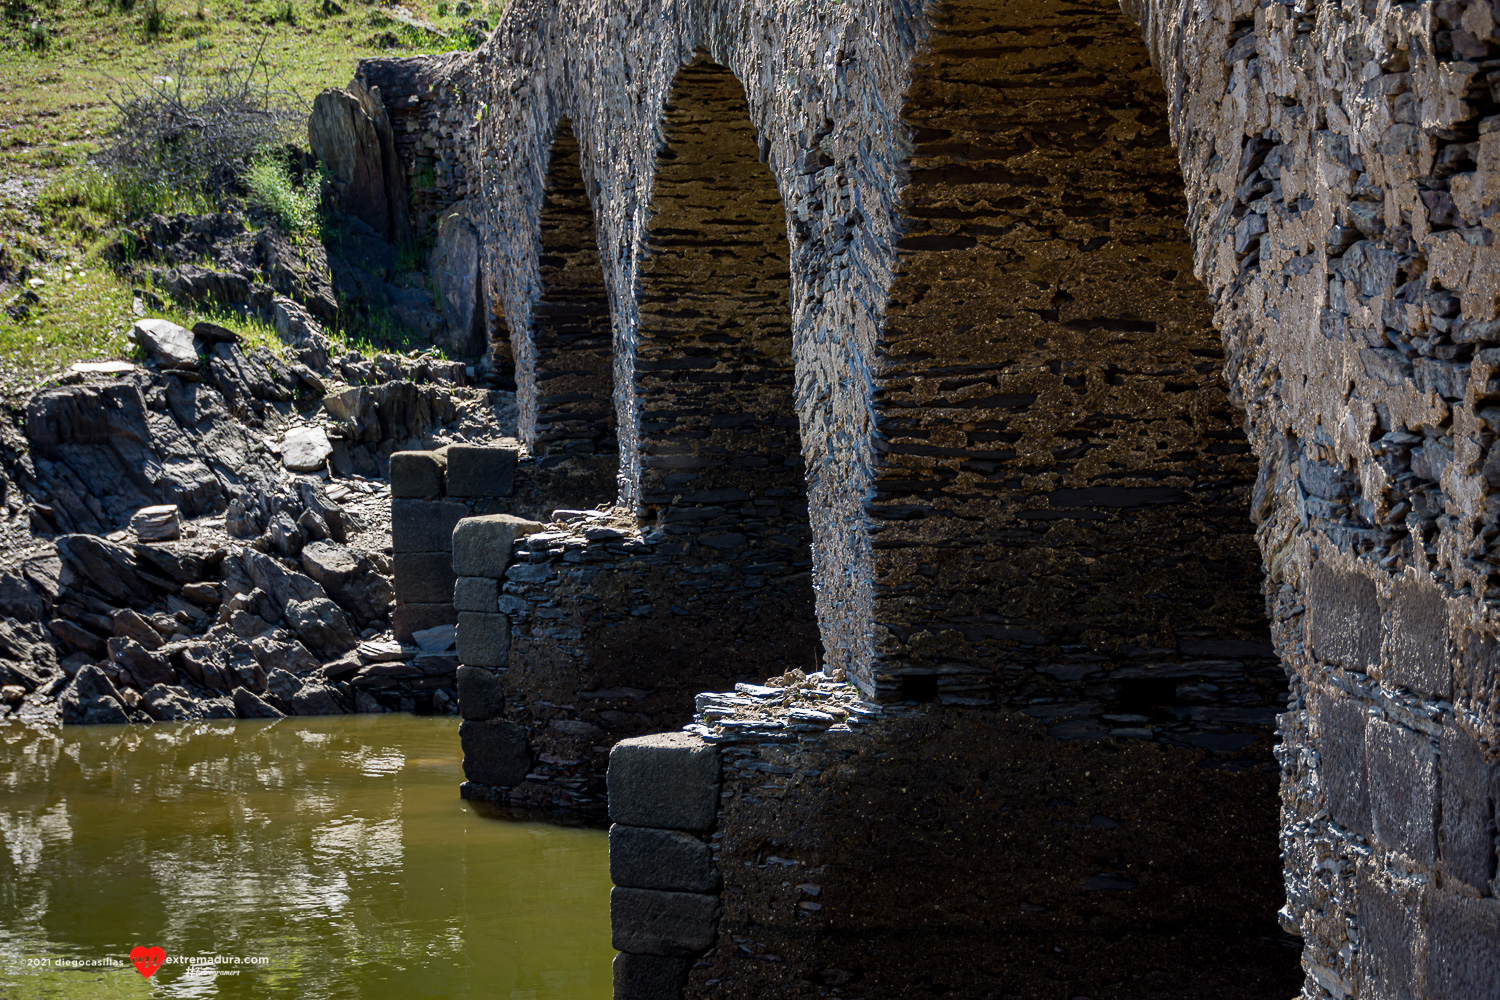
column 211, row 538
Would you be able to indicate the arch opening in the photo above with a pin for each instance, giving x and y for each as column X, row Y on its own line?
column 722, row 478
column 568, row 421
column 1063, row 559
column 1065, row 480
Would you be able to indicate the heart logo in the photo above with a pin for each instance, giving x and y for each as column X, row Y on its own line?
column 147, row 960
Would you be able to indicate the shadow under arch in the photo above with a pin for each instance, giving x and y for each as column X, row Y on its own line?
column 568, row 418
column 721, row 482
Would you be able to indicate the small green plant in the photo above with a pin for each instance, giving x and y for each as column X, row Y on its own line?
column 156, row 18
column 411, row 255
column 425, row 178
column 270, row 188
column 286, row 13
column 36, row 35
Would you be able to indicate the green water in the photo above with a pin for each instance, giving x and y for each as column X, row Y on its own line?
column 334, row 848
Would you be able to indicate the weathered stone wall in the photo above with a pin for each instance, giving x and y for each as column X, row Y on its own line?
column 1336, row 162
column 430, row 122
column 1059, row 511
column 569, row 418
column 574, row 412
column 609, row 71
column 613, row 632
column 868, row 850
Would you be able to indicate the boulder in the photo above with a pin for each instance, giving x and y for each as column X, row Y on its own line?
column 19, row 599
column 392, row 411
column 316, row 699
column 240, row 377
column 204, row 662
column 166, row 703
column 456, row 273
column 249, row 705
column 283, row 657
column 77, row 637
column 213, row 333
column 321, row 625
column 111, row 568
column 345, row 138
column 283, row 585
column 305, row 449
column 217, row 708
column 189, row 283
column 295, row 325
column 438, row 639
column 204, row 593
column 92, row 699
column 168, row 344
column 131, row 624
column 105, row 460
column 19, row 675
column 350, row 579
column 141, row 668
column 350, row 132
column 283, row 685
column 156, row 524
column 297, row 270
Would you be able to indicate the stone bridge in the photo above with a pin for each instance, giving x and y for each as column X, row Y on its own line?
column 970, row 357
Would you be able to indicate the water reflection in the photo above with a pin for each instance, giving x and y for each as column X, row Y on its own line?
column 335, row 848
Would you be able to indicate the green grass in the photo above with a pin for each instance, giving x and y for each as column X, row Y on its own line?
column 54, row 112
column 84, row 313
column 271, row 189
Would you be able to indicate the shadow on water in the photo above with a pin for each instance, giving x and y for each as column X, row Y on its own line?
column 335, row 849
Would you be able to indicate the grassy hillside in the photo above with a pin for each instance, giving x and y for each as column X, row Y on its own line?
column 59, row 64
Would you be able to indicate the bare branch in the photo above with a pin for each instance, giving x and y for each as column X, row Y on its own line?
column 193, row 125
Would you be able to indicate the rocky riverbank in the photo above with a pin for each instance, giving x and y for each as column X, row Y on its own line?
column 206, row 534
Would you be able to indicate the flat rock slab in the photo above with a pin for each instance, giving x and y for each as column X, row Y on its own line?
column 438, row 639
column 646, row 858
column 156, row 524
column 305, row 449
column 380, row 651
column 103, row 367
column 169, row 345
column 648, row 922
column 495, row 752
column 649, row 977
column 480, row 694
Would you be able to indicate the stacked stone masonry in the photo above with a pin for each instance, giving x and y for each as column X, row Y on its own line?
column 613, row 631
column 867, row 849
column 664, row 908
column 431, row 492
column 430, row 125
column 1024, row 494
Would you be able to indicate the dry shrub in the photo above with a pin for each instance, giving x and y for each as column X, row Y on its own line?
column 196, row 127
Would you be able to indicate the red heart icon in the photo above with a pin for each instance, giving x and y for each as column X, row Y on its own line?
column 147, row 960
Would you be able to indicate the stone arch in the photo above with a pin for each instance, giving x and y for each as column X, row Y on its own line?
column 720, row 455
column 568, row 417
column 1062, row 479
